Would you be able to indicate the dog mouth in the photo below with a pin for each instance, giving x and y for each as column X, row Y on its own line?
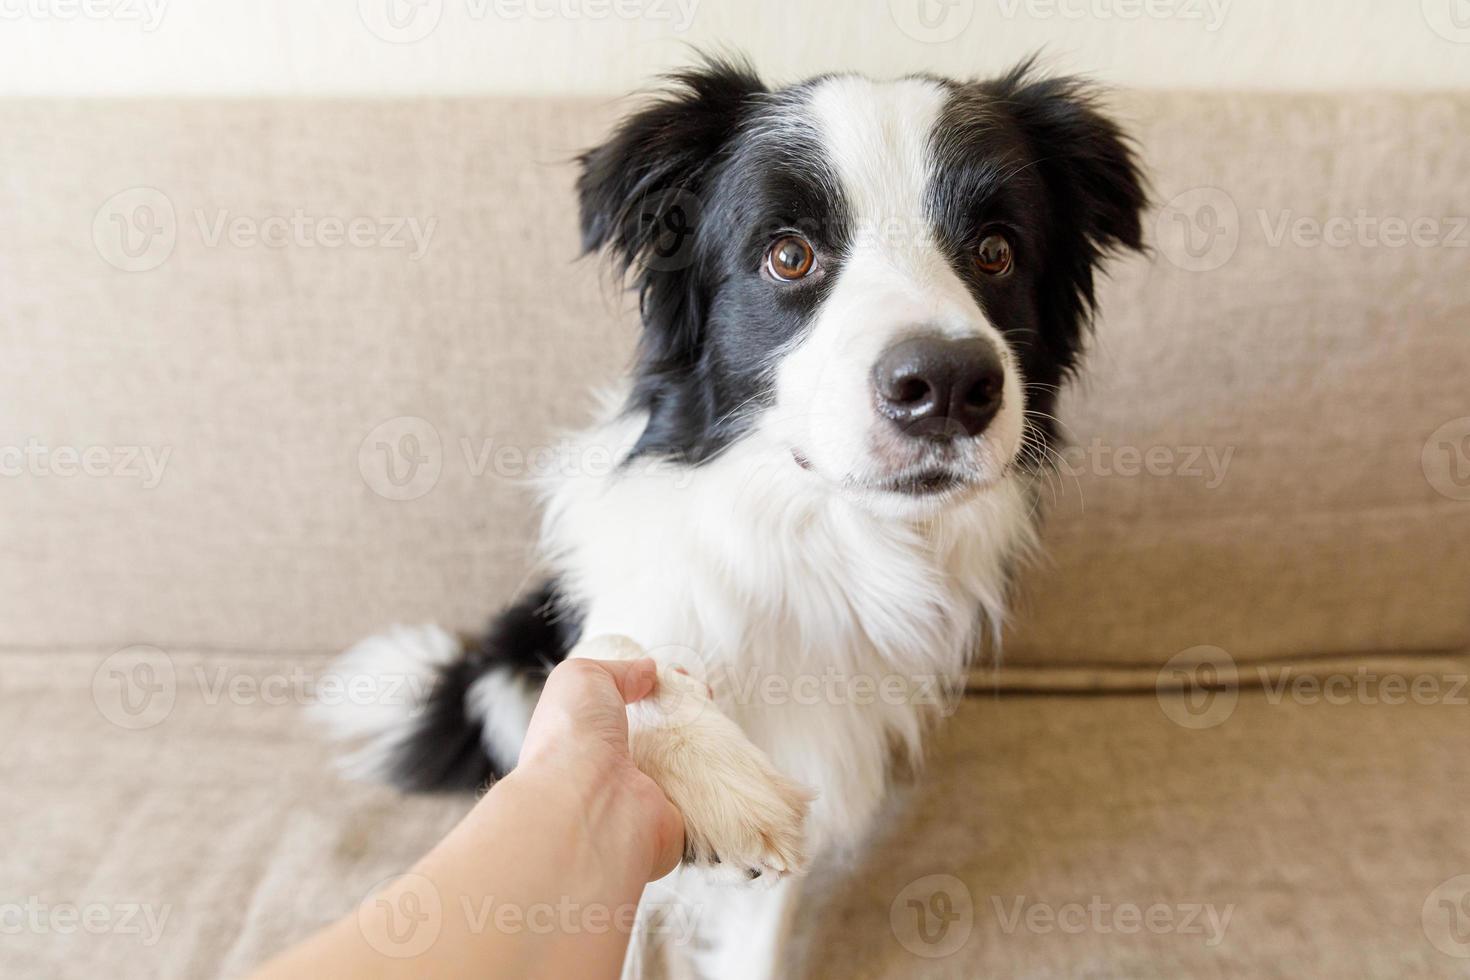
column 925, row 483
column 928, row 481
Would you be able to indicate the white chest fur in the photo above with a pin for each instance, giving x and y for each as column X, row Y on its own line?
column 830, row 634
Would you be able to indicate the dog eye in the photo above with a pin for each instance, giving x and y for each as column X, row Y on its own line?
column 789, row 258
column 993, row 256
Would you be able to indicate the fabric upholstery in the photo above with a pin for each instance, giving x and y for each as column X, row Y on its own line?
column 1314, row 375
column 1293, row 411
column 1325, row 830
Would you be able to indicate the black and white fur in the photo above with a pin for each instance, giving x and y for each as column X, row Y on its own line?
column 766, row 520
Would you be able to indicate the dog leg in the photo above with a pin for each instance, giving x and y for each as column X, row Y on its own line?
column 743, row 820
column 664, row 936
column 669, row 929
column 695, row 928
column 754, row 941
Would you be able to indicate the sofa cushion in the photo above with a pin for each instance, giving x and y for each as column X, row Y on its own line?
column 1279, row 833
column 222, row 320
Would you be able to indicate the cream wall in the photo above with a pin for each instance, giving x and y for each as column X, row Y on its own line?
column 252, row 47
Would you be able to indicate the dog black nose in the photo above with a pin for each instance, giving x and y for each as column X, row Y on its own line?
column 938, row 388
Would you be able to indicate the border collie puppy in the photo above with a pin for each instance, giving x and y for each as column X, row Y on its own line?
column 859, row 300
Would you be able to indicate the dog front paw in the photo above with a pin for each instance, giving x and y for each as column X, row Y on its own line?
column 757, row 838
column 743, row 820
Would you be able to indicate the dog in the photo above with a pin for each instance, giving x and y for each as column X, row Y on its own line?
column 859, row 300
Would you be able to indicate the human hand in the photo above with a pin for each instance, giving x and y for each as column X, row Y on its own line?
column 578, row 736
column 576, row 825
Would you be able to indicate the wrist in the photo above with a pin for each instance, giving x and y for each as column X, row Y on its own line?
column 607, row 810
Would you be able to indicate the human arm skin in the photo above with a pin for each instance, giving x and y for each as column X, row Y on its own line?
column 561, row 848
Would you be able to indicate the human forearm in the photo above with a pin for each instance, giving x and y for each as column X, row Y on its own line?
column 567, row 870
column 542, row 878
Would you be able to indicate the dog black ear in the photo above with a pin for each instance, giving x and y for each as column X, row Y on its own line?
column 1093, row 180
column 640, row 191
column 1088, row 162
column 643, row 195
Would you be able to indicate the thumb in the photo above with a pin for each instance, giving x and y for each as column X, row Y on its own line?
column 635, row 679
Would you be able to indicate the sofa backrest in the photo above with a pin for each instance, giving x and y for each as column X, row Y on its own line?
column 221, row 321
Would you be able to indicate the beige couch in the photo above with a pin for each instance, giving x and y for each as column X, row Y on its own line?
column 1272, row 463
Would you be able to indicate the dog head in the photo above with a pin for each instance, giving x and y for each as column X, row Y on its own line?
column 883, row 282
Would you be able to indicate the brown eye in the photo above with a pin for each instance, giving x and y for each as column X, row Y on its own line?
column 994, row 255
column 790, row 258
